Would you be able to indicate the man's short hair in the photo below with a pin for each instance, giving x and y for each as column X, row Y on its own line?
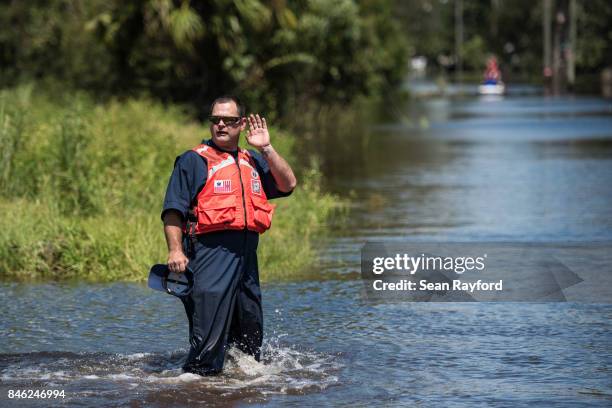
column 226, row 99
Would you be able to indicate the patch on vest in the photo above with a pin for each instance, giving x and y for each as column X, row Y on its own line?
column 256, row 187
column 223, row 186
column 254, row 174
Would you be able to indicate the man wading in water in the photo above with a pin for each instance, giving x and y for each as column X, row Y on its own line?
column 216, row 206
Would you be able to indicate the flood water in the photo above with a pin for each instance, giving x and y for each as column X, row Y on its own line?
column 526, row 169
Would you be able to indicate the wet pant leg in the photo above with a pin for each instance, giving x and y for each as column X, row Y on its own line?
column 224, row 307
column 246, row 330
column 210, row 308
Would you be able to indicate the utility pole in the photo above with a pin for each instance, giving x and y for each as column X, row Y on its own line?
column 570, row 52
column 494, row 18
column 546, row 28
column 459, row 39
column 561, row 47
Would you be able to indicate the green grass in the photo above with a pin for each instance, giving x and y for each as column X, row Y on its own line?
column 82, row 187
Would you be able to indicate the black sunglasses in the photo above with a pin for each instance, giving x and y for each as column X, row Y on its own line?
column 228, row 120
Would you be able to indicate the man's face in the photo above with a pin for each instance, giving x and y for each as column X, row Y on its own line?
column 226, row 135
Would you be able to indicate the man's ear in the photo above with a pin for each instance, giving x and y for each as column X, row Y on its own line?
column 243, row 123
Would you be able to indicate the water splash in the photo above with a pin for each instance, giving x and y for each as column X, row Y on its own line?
column 102, row 376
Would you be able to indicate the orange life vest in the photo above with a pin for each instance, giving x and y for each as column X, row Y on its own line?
column 233, row 197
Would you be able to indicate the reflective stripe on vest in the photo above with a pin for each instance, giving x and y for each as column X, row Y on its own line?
column 221, row 204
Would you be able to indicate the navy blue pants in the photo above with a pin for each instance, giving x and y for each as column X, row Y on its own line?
column 224, row 308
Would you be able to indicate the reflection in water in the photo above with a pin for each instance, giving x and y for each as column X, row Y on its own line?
column 523, row 169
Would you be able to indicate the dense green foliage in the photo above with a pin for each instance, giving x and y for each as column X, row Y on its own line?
column 82, row 186
column 510, row 29
column 276, row 54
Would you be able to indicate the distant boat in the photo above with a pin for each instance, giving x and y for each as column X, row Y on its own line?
column 492, row 88
column 492, row 83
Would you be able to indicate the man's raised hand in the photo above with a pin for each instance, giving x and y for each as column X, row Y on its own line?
column 257, row 135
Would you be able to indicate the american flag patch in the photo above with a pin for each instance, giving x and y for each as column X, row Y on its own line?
column 223, row 186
